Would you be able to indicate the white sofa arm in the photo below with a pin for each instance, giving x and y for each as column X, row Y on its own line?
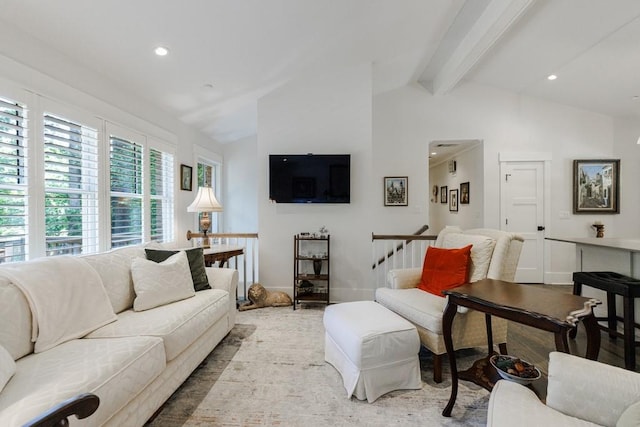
column 512, row 404
column 405, row 278
column 590, row 390
column 225, row 279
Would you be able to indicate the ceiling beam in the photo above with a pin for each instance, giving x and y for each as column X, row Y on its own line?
column 492, row 23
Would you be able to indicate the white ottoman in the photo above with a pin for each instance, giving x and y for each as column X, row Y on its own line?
column 374, row 349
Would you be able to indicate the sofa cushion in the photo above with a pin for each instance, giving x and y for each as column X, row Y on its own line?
column 7, row 367
column 116, row 370
column 481, row 251
column 196, row 264
column 158, row 284
column 630, row 417
column 15, row 318
column 417, row 306
column 179, row 324
column 114, row 267
column 444, row 269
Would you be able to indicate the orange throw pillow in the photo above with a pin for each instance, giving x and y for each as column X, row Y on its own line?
column 445, row 269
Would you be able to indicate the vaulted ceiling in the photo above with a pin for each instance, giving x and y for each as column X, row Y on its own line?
column 225, row 54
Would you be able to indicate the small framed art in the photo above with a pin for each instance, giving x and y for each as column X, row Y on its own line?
column 396, row 191
column 453, row 200
column 186, row 177
column 443, row 194
column 595, row 186
column 464, row 193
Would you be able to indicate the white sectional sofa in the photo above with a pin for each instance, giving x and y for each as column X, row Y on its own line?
column 89, row 338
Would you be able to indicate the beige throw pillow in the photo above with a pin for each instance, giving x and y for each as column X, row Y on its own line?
column 7, row 367
column 157, row 284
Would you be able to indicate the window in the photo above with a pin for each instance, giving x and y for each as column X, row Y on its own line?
column 126, row 192
column 162, row 184
column 71, row 186
column 13, row 181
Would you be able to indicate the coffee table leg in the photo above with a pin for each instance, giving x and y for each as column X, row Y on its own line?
column 562, row 344
column 447, row 322
column 593, row 336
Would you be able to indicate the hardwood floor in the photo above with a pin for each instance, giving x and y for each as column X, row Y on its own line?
column 534, row 345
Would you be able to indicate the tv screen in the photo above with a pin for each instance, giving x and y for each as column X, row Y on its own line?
column 310, row 178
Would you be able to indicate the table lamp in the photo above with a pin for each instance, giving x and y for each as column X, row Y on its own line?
column 204, row 203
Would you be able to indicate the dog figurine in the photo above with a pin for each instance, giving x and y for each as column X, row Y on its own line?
column 259, row 297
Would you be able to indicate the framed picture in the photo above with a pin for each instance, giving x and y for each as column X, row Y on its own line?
column 396, row 191
column 453, row 200
column 443, row 194
column 186, row 177
column 464, row 193
column 596, row 186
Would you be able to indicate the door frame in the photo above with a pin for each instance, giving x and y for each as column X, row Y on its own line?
column 545, row 158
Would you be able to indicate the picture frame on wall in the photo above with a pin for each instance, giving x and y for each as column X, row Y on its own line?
column 396, row 191
column 443, row 194
column 453, row 200
column 464, row 193
column 186, row 177
column 596, row 186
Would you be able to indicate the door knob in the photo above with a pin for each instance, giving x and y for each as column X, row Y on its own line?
column 540, row 228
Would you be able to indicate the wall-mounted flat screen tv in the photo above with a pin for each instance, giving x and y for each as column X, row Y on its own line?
column 310, row 178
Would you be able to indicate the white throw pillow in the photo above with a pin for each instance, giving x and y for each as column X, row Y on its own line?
column 630, row 417
column 7, row 367
column 158, row 284
column 481, row 251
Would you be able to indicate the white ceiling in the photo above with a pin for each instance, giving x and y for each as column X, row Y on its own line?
column 226, row 54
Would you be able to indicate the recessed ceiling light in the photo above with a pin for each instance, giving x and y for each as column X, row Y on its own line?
column 434, row 153
column 161, row 51
column 552, row 77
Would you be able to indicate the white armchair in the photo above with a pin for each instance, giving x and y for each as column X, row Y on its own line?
column 494, row 254
column 580, row 392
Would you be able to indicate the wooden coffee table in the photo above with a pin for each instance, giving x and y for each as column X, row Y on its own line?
column 540, row 308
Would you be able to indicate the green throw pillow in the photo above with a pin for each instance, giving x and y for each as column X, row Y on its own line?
column 196, row 264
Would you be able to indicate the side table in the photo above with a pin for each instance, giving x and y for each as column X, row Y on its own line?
column 540, row 308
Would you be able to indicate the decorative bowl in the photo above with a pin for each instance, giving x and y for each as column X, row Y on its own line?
column 515, row 369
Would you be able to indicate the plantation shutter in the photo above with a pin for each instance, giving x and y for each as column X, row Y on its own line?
column 71, row 186
column 126, row 192
column 13, row 181
column 162, row 184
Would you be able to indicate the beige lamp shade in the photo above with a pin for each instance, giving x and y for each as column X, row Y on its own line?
column 205, row 201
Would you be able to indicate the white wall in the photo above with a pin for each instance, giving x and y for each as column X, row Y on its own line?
column 470, row 168
column 241, row 182
column 506, row 122
column 626, row 148
column 327, row 113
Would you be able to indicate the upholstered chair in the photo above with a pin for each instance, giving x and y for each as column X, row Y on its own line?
column 494, row 255
column 580, row 392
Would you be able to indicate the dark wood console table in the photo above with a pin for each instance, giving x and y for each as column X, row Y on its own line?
column 221, row 253
column 540, row 308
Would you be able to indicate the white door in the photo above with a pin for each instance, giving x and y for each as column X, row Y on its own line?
column 522, row 212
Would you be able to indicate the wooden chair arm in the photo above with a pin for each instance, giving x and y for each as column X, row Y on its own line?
column 82, row 406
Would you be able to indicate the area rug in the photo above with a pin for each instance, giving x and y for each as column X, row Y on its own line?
column 270, row 371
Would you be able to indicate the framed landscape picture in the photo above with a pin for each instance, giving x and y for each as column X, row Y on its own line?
column 596, row 186
column 396, row 191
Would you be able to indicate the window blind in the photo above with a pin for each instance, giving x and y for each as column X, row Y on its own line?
column 13, row 181
column 126, row 192
column 162, row 184
column 71, row 186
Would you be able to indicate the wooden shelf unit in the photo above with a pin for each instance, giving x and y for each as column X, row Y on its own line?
column 309, row 252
